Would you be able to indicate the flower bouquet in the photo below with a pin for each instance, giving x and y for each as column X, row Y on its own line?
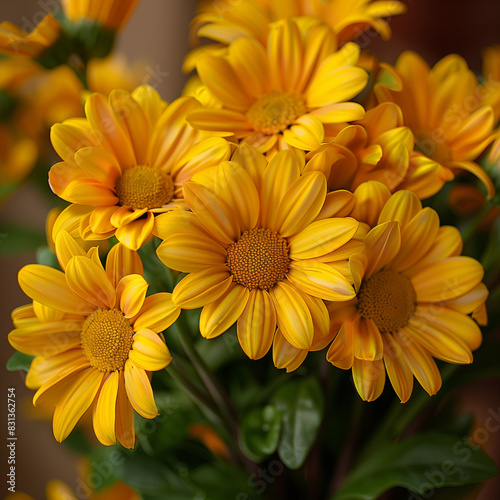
column 273, row 286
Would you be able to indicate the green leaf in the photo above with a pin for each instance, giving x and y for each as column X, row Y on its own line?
column 423, row 463
column 19, row 361
column 46, row 257
column 260, row 432
column 301, row 404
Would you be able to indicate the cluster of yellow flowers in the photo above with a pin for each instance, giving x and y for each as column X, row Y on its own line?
column 286, row 183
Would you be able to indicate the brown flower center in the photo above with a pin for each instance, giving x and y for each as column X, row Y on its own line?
column 144, row 187
column 274, row 112
column 389, row 299
column 107, row 339
column 259, row 259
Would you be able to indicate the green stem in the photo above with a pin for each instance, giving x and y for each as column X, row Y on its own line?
column 470, row 229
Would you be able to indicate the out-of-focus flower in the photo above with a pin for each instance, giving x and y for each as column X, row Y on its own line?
column 254, row 252
column 284, row 95
column 95, row 337
column 489, row 91
column 127, row 162
column 442, row 108
column 414, row 296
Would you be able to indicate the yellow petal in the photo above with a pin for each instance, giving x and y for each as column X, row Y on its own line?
column 136, row 233
column 447, row 279
column 399, row 374
column 139, row 391
column 88, row 281
column 401, row 207
column 177, row 221
column 199, row 289
column 49, row 287
column 322, row 237
column 341, row 353
column 306, row 133
column 122, row 261
column 149, row 352
column 130, row 293
column 220, row 315
column 367, row 341
column 320, row 280
column 157, row 313
column 369, row 378
column 99, row 164
column 293, row 316
column 257, row 324
column 285, row 355
column 125, row 430
column 66, row 248
column 382, row 245
column 103, row 416
column 78, row 398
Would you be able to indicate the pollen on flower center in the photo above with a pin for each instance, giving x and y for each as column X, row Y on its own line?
column 273, row 112
column 107, row 339
column 144, row 187
column 259, row 259
column 389, row 299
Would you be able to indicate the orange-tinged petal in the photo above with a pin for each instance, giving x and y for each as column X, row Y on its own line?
column 136, row 233
column 293, row 316
column 157, row 313
column 401, row 207
column 285, row 355
column 139, row 390
column 322, row 237
column 125, row 430
column 420, row 362
column 475, row 169
column 399, row 374
column 301, row 204
column 307, row 133
column 369, row 378
column 320, row 280
column 89, row 281
column 87, row 192
column 340, row 113
column 220, row 120
column 130, row 293
column 447, row 279
column 220, row 315
column 371, row 197
column 341, row 353
column 104, row 412
column 122, row 261
column 367, row 341
column 149, row 352
column 214, row 213
column 190, row 253
column 66, row 248
column 78, row 398
column 257, row 324
column 100, row 219
column 199, row 289
column 49, row 287
column 382, row 243
column 338, row 203
column 99, row 164
column 469, row 302
column 68, row 137
column 177, row 221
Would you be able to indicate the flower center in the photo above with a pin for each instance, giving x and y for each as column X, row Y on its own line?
column 144, row 187
column 389, row 299
column 435, row 149
column 273, row 112
column 107, row 339
column 259, row 259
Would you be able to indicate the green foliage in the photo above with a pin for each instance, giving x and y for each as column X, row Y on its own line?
column 19, row 361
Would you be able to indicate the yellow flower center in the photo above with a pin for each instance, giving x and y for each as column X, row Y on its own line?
column 435, row 149
column 144, row 187
column 273, row 112
column 259, row 259
column 107, row 339
column 389, row 299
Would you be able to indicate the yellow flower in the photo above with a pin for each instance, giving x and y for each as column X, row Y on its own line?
column 489, row 91
column 127, row 162
column 283, row 94
column 225, row 21
column 414, row 296
column 16, row 41
column 254, row 251
column 95, row 337
column 443, row 108
column 111, row 14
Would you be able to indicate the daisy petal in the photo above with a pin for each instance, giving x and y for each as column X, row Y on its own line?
column 367, row 341
column 125, row 430
column 103, row 416
column 139, row 391
column 382, row 243
column 149, row 352
column 122, row 261
column 369, row 378
column 399, row 374
column 130, row 293
column 157, row 313
column 285, row 355
column 341, row 353
column 257, row 324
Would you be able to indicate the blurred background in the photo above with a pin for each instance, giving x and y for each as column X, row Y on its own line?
column 157, row 34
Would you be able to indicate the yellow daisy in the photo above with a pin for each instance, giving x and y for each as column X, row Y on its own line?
column 254, row 251
column 96, row 338
column 414, row 296
column 16, row 41
column 442, row 108
column 225, row 21
column 285, row 93
column 127, row 161
column 111, row 14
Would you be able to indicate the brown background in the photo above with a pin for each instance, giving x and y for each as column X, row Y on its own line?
column 158, row 32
